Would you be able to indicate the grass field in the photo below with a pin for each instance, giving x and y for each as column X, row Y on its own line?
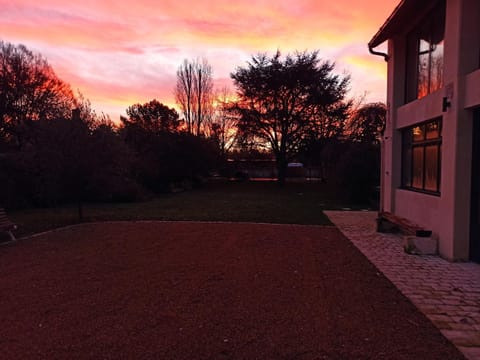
column 295, row 203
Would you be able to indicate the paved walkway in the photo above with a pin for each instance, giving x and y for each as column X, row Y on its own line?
column 447, row 293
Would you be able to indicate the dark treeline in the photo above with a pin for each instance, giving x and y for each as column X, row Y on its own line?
column 55, row 149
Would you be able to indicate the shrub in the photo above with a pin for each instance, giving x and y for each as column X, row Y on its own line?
column 358, row 173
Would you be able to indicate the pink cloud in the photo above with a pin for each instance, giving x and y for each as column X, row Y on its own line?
column 120, row 52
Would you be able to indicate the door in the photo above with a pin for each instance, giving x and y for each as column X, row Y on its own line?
column 475, row 197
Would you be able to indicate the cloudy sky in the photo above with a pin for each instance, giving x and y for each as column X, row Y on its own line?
column 118, row 53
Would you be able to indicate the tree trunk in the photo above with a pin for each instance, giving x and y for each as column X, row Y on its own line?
column 199, row 100
column 281, row 169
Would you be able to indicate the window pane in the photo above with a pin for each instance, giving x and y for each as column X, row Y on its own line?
column 431, row 167
column 425, row 52
column 439, row 167
column 421, row 156
column 436, row 66
column 412, row 71
column 407, row 168
column 423, row 68
column 417, row 174
column 433, row 130
column 437, row 35
column 407, row 158
column 418, row 133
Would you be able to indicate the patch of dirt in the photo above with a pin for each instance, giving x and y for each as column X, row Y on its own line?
column 153, row 290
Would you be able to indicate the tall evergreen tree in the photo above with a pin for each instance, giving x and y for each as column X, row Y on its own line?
column 284, row 101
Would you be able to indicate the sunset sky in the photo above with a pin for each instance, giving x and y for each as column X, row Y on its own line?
column 118, row 53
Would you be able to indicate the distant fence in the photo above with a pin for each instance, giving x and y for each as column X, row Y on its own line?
column 268, row 169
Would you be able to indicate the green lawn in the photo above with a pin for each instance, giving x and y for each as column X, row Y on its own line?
column 295, row 203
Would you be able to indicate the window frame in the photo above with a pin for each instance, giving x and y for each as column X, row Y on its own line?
column 409, row 144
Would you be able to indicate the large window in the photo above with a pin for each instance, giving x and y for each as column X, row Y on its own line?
column 425, row 54
column 421, row 153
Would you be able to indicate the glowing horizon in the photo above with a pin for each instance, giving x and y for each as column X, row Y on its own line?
column 118, row 55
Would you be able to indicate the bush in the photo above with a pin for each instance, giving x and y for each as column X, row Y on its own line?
column 358, row 173
column 167, row 159
column 14, row 182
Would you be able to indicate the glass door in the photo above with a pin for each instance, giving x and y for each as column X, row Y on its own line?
column 475, row 195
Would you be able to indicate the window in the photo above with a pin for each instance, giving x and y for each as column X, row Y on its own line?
column 421, row 156
column 425, row 54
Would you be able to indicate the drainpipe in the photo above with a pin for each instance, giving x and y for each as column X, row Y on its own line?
column 378, row 53
column 382, row 174
column 382, row 142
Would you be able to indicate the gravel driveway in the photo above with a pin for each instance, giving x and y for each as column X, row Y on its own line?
column 179, row 290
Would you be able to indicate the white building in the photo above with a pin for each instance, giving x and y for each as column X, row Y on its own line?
column 431, row 148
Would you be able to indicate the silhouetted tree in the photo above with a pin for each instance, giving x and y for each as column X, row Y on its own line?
column 112, row 178
column 194, row 93
column 184, row 92
column 164, row 155
column 164, row 159
column 59, row 160
column 222, row 126
column 65, row 161
column 283, row 102
column 90, row 116
column 29, row 90
column 153, row 117
column 367, row 123
column 46, row 156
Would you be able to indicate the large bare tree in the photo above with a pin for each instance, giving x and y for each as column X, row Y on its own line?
column 194, row 94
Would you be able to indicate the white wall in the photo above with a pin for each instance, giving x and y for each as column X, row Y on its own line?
column 447, row 215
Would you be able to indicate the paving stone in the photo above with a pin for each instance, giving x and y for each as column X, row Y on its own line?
column 449, row 308
column 439, row 317
column 452, row 302
column 431, row 301
column 447, row 293
column 460, row 326
column 469, row 308
column 442, row 325
column 463, row 338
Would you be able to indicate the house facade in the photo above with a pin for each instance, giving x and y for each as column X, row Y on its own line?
column 431, row 145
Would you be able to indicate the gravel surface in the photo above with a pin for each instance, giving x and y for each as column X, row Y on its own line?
column 152, row 290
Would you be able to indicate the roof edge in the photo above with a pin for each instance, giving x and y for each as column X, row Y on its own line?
column 379, row 37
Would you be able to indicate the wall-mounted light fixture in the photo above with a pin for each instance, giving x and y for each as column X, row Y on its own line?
column 447, row 98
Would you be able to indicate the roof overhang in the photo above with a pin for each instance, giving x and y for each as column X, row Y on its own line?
column 398, row 22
